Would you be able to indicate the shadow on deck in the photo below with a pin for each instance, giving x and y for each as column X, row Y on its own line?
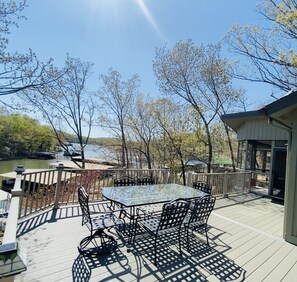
column 201, row 262
column 236, row 247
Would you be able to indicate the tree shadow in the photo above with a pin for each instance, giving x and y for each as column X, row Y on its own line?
column 53, row 215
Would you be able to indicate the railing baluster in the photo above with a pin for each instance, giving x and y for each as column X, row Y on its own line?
column 42, row 189
column 54, row 187
column 225, row 183
column 31, row 194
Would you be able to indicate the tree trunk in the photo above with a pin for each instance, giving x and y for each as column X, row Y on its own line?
column 183, row 171
column 209, row 159
column 148, row 156
column 124, row 149
column 230, row 147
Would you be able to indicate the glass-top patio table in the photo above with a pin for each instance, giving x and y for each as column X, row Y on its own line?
column 134, row 196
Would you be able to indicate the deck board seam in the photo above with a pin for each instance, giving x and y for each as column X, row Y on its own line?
column 248, row 227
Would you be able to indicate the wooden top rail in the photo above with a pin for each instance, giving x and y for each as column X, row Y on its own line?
column 11, row 256
column 221, row 173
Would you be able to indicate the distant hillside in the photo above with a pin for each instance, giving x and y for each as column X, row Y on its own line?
column 101, row 141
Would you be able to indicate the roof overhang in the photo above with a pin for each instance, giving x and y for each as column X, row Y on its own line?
column 282, row 109
column 279, row 111
column 235, row 121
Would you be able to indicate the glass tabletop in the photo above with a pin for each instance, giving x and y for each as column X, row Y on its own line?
column 130, row 196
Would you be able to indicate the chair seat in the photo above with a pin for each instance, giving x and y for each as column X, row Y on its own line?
column 194, row 223
column 152, row 224
column 105, row 221
column 171, row 219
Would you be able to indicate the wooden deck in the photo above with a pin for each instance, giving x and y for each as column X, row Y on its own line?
column 245, row 237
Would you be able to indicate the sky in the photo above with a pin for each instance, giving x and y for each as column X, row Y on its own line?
column 123, row 34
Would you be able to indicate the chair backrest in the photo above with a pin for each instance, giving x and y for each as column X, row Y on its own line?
column 201, row 208
column 173, row 214
column 83, row 199
column 124, row 181
column 203, row 187
column 145, row 180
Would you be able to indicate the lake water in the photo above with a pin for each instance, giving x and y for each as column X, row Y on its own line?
column 92, row 151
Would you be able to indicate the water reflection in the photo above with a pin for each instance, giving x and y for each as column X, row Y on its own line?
column 92, row 151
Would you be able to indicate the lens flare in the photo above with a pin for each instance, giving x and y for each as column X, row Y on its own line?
column 147, row 14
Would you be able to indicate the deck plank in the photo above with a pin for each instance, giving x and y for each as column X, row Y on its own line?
column 245, row 240
column 291, row 274
column 281, row 270
column 271, row 263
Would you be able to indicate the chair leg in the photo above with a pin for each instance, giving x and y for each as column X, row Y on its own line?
column 155, row 251
column 121, row 212
column 188, row 241
column 205, row 228
column 179, row 243
column 133, row 231
column 110, row 205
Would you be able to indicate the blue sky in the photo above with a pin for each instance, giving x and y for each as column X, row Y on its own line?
column 123, row 34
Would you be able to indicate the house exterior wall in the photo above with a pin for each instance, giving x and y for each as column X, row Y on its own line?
column 261, row 130
column 290, row 218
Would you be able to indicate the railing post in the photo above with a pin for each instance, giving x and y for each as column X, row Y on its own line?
column 250, row 177
column 60, row 169
column 166, row 175
column 190, row 179
column 17, row 190
column 225, row 184
column 123, row 172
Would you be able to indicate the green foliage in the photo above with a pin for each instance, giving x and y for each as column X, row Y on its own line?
column 21, row 135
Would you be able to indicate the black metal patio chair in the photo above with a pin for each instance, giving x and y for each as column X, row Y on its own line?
column 98, row 223
column 124, row 181
column 152, row 208
column 202, row 186
column 170, row 220
column 197, row 217
column 145, row 180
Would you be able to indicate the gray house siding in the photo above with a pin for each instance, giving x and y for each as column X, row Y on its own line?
column 261, row 130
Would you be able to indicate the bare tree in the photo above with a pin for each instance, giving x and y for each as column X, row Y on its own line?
column 144, row 127
column 66, row 103
column 18, row 72
column 197, row 76
column 175, row 124
column 223, row 96
column 118, row 97
column 270, row 51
